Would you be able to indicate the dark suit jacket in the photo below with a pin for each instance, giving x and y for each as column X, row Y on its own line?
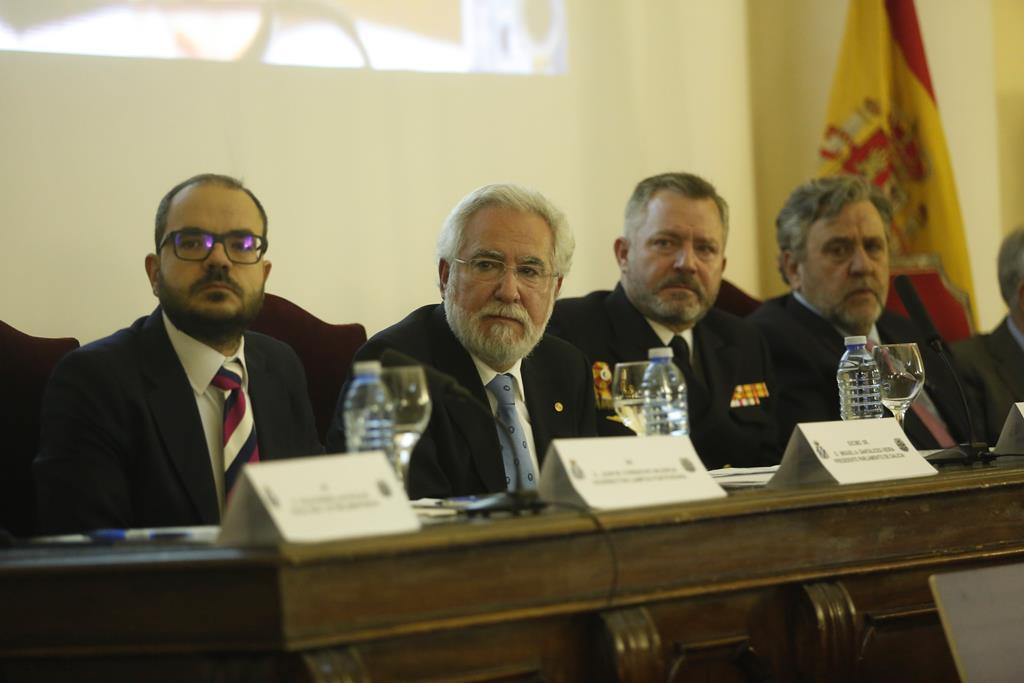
column 459, row 453
column 729, row 351
column 122, row 443
column 992, row 369
column 806, row 350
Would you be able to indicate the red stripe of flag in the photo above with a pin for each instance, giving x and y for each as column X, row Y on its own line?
column 907, row 34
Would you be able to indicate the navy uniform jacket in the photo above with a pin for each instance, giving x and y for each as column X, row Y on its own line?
column 806, row 350
column 122, row 443
column 729, row 352
column 459, row 453
column 992, row 369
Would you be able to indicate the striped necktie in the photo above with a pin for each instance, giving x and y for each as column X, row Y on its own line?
column 240, row 445
column 515, row 454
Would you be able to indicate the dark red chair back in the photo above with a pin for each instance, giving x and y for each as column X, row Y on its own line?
column 732, row 299
column 325, row 349
column 25, row 366
column 948, row 307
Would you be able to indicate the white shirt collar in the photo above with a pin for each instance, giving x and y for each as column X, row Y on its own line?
column 872, row 333
column 665, row 334
column 200, row 361
column 487, row 373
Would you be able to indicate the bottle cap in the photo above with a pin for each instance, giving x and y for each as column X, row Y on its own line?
column 659, row 352
column 858, row 340
column 366, row 367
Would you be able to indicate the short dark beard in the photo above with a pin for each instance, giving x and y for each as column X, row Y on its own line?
column 210, row 330
column 674, row 315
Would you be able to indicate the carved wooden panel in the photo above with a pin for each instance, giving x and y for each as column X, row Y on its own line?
column 809, row 632
column 333, row 665
column 633, row 645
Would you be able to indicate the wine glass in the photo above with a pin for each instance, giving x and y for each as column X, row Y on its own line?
column 408, row 387
column 901, row 374
column 627, row 398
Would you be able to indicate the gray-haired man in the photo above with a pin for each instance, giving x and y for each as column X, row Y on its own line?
column 670, row 257
column 833, row 239
column 502, row 254
column 992, row 365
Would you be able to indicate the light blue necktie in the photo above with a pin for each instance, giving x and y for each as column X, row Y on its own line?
column 514, row 451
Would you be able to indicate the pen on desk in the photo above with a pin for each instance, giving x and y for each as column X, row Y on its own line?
column 138, row 535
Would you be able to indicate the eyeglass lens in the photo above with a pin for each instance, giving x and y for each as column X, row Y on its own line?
column 241, row 247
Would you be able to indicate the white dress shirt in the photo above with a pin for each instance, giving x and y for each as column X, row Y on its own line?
column 201, row 364
column 665, row 335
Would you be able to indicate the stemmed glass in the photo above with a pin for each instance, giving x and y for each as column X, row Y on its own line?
column 901, row 374
column 408, row 387
column 627, row 398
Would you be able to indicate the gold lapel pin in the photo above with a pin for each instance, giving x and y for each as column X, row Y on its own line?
column 559, row 407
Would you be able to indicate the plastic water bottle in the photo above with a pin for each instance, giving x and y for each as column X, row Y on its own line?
column 664, row 394
column 369, row 412
column 860, row 394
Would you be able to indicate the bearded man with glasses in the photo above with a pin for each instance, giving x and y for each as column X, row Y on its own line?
column 509, row 390
column 151, row 426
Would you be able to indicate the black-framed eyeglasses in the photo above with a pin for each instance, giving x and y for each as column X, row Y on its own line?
column 490, row 270
column 193, row 244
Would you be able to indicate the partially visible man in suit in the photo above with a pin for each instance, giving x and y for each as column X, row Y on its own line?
column 151, row 425
column 502, row 254
column 833, row 240
column 671, row 257
column 992, row 365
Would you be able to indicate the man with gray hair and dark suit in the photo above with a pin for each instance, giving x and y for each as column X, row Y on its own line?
column 502, row 254
column 833, row 240
column 992, row 365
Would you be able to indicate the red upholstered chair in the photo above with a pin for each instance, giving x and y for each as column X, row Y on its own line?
column 732, row 299
column 948, row 307
column 325, row 350
column 25, row 365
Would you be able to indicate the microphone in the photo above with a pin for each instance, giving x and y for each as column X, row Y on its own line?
column 918, row 313
column 976, row 450
column 516, row 501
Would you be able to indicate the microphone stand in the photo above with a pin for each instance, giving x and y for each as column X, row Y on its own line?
column 974, row 451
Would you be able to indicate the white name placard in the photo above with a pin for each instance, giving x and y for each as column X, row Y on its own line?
column 611, row 473
column 311, row 500
column 1011, row 438
column 849, row 452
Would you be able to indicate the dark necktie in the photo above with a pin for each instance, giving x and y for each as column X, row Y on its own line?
column 696, row 390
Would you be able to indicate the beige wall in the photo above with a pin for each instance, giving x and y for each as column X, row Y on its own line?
column 1008, row 22
column 358, row 169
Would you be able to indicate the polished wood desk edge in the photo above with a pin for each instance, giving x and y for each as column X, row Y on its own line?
column 551, row 524
column 354, row 637
column 291, row 593
column 557, row 523
column 648, row 598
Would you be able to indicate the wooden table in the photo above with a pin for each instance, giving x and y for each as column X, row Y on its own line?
column 826, row 584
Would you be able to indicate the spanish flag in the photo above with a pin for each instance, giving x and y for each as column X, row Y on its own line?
column 883, row 124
